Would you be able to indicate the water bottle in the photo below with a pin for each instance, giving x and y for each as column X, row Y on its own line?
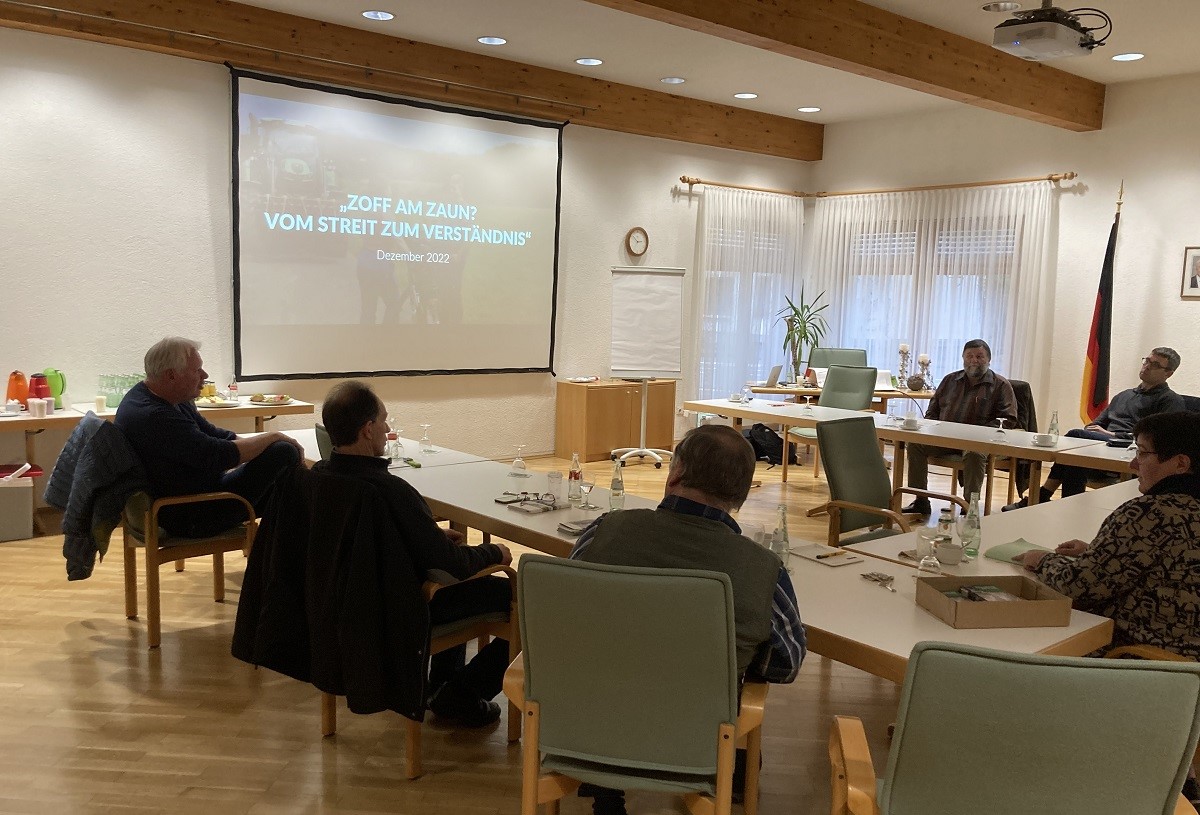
column 780, row 544
column 616, row 489
column 392, row 449
column 232, row 392
column 970, row 529
column 574, row 479
column 1053, row 429
column 945, row 525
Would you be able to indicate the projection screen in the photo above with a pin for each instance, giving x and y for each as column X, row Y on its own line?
column 378, row 236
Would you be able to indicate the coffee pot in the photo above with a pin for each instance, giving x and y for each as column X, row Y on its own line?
column 39, row 387
column 18, row 388
column 58, row 383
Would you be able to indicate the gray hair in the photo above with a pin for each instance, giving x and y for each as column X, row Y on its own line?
column 168, row 354
column 1169, row 354
column 715, row 460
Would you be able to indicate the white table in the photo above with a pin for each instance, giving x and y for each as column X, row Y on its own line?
column 466, row 495
column 1098, row 456
column 859, row 623
column 444, row 456
column 260, row 412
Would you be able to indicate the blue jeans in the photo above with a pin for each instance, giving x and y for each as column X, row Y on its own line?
column 252, row 480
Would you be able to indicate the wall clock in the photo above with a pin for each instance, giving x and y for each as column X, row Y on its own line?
column 637, row 241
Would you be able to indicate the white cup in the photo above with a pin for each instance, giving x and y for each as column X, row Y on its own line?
column 736, row 396
column 912, row 423
column 12, row 406
column 948, row 553
column 101, row 403
column 1043, row 439
column 37, row 408
column 49, row 400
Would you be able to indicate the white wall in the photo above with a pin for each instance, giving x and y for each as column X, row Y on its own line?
column 116, row 170
column 1148, row 141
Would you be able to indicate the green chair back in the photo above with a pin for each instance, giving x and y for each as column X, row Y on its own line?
column 848, row 387
column 634, row 670
column 854, row 468
column 324, row 443
column 990, row 732
column 828, row 357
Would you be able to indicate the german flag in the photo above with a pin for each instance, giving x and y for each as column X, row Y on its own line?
column 1094, row 397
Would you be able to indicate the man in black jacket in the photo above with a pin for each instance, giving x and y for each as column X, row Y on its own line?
column 356, row 420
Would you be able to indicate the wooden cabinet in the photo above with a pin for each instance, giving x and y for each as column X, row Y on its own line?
column 595, row 418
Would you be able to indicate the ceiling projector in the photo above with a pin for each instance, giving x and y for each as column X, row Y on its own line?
column 1049, row 33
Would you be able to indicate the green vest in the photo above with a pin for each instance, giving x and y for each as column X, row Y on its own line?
column 672, row 540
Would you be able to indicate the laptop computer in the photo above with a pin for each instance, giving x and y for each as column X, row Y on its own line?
column 773, row 379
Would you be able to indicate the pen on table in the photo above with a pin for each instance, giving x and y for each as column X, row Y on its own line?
column 829, row 554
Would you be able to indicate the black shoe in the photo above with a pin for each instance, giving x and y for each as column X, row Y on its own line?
column 605, row 801
column 1024, row 502
column 918, row 507
column 1191, row 792
column 453, row 705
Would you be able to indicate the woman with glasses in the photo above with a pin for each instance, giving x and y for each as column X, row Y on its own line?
column 1143, row 567
column 1152, row 395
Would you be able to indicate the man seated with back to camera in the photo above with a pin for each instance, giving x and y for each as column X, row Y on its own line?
column 356, row 421
column 709, row 477
column 1152, row 396
column 975, row 395
column 184, row 454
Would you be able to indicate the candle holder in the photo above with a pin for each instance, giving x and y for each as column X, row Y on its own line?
column 926, row 377
column 902, row 376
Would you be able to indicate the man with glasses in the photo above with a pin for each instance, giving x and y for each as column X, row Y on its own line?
column 356, row 420
column 975, row 395
column 1117, row 421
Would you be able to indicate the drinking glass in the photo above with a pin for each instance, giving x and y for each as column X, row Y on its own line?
column 397, row 454
column 1000, row 429
column 585, row 488
column 929, row 566
column 807, row 405
column 518, row 468
column 425, row 442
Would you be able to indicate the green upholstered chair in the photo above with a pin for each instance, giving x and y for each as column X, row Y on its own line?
column 860, row 492
column 990, row 732
column 828, row 357
column 846, row 386
column 324, row 443
column 650, row 706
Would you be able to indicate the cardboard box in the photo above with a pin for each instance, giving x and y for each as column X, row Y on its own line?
column 1040, row 606
column 16, row 509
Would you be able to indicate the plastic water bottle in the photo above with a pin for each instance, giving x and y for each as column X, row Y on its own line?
column 780, row 544
column 1053, row 429
column 970, row 530
column 574, row 479
column 616, row 489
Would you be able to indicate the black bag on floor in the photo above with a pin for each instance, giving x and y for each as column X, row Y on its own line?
column 768, row 445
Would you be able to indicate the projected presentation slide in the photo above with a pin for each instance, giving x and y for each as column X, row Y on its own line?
column 376, row 236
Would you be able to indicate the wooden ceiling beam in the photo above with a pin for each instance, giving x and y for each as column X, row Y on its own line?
column 287, row 45
column 852, row 36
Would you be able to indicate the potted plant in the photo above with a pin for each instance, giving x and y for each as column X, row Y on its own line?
column 805, row 327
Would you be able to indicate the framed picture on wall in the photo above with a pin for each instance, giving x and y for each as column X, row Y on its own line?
column 1190, row 286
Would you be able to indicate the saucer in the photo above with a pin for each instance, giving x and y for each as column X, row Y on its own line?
column 1051, row 444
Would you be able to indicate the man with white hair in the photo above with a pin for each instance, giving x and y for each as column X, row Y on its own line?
column 183, row 453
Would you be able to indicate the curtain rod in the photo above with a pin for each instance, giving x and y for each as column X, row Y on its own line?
column 1053, row 178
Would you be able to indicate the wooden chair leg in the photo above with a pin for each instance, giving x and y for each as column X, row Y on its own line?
column 179, row 565
column 412, row 749
column 218, row 577
column 753, row 756
column 328, row 714
column 989, row 485
column 531, row 759
column 153, row 620
column 130, row 582
column 816, row 461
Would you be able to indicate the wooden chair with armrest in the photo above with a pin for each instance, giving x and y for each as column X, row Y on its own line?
column 649, row 707
column 860, row 491
column 990, row 732
column 441, row 638
column 141, row 529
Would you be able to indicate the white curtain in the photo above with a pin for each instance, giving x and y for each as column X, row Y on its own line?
column 937, row 268
column 749, row 250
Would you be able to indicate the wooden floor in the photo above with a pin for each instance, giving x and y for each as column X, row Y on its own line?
column 93, row 722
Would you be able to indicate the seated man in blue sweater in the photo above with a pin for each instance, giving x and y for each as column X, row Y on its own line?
column 710, row 476
column 183, row 453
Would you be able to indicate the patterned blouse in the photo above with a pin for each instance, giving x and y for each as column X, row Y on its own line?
column 1142, row 569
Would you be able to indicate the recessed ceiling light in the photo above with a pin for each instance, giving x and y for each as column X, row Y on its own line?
column 492, row 40
column 672, row 80
column 745, row 96
column 381, row 16
column 589, row 61
column 1132, row 56
column 1002, row 8
column 808, row 110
